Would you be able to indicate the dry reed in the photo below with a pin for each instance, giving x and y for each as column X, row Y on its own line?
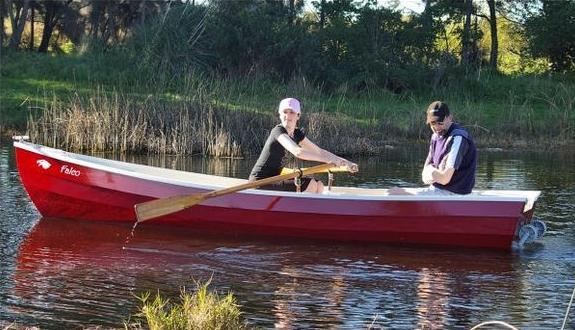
column 122, row 122
column 119, row 123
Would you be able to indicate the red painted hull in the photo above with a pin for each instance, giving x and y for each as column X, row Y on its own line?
column 87, row 188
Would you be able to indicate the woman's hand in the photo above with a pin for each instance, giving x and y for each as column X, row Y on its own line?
column 352, row 167
column 342, row 162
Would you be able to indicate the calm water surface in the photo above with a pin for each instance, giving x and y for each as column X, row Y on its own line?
column 59, row 274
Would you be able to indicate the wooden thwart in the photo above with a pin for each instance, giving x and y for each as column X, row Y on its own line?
column 164, row 206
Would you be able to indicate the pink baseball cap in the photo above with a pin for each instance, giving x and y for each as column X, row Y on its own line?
column 289, row 103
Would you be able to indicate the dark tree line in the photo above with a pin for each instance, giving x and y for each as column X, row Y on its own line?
column 108, row 21
column 361, row 44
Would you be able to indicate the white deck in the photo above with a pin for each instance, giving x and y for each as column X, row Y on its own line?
column 212, row 182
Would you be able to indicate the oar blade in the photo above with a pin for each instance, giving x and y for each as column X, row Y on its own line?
column 164, row 206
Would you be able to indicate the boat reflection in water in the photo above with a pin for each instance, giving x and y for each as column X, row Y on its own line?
column 76, row 273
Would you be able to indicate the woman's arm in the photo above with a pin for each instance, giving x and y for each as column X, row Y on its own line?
column 308, row 150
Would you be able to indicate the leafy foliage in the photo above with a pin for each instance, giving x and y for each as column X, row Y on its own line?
column 172, row 42
column 339, row 45
column 550, row 33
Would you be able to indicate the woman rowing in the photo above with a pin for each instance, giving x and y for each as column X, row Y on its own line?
column 287, row 136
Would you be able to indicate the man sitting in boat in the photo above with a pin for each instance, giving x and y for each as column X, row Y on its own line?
column 287, row 136
column 449, row 168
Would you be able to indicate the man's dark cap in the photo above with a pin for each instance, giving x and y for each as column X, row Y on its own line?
column 437, row 111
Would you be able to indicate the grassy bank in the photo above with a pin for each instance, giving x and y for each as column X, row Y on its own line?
column 99, row 103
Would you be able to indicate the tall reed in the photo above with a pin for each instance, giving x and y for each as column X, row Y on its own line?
column 120, row 122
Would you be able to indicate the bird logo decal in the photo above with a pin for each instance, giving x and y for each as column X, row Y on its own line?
column 43, row 163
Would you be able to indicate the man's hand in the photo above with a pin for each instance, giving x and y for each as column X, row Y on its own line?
column 427, row 174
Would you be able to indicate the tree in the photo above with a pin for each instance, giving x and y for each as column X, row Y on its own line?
column 494, row 39
column 32, row 19
column 254, row 34
column 466, row 42
column 461, row 17
column 18, row 16
column 52, row 13
column 550, row 33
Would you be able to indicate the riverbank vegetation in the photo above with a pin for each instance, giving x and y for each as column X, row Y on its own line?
column 177, row 77
column 201, row 309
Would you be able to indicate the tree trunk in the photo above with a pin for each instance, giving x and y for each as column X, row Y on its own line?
column 50, row 20
column 427, row 26
column 18, row 22
column 494, row 42
column 143, row 12
column 31, row 43
column 95, row 17
column 291, row 12
column 466, row 36
column 322, row 14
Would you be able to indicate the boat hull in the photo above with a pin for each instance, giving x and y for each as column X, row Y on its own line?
column 74, row 188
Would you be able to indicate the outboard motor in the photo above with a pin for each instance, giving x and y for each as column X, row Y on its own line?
column 540, row 226
column 531, row 232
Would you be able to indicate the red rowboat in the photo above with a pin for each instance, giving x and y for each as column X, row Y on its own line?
column 74, row 186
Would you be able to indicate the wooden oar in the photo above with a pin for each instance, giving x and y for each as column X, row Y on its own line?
column 163, row 206
column 287, row 170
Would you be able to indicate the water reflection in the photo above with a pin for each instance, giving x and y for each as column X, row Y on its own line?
column 432, row 292
column 15, row 212
column 82, row 270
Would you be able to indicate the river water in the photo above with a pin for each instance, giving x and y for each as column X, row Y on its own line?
column 60, row 274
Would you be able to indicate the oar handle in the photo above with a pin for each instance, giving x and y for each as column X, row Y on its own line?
column 270, row 180
column 334, row 169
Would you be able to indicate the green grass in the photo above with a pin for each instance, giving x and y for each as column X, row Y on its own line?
column 493, row 106
column 201, row 309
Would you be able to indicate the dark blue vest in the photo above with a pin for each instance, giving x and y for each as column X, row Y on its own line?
column 463, row 179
